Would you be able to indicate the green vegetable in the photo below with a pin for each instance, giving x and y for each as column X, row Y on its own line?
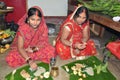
column 108, row 7
column 101, row 68
column 11, row 33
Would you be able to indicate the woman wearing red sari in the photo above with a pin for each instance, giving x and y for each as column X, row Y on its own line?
column 73, row 38
column 31, row 41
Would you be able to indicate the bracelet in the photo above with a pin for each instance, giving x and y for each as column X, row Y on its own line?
column 28, row 59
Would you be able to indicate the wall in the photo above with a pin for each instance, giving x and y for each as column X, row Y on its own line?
column 51, row 7
column 18, row 12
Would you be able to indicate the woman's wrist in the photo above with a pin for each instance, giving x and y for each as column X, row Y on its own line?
column 73, row 45
column 28, row 59
column 35, row 49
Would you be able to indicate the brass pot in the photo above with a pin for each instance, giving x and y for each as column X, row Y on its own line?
column 54, row 71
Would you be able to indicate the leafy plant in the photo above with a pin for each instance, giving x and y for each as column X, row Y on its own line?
column 11, row 33
column 107, row 7
column 101, row 68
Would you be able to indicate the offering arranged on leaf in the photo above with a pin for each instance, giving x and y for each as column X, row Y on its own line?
column 90, row 68
column 38, row 74
column 26, row 73
column 80, row 70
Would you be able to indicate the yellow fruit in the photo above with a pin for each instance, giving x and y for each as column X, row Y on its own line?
column 1, row 32
column 7, row 46
column 5, row 35
column 2, row 50
column 0, row 37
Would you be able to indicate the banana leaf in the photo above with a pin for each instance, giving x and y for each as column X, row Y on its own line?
column 17, row 75
column 89, row 62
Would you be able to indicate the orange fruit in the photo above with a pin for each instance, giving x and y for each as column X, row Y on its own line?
column 7, row 46
column 5, row 35
column 2, row 50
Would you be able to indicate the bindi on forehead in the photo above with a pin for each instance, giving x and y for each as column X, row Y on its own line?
column 84, row 11
column 36, row 13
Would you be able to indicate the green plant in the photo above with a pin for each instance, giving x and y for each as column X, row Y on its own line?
column 101, row 68
column 107, row 7
column 11, row 33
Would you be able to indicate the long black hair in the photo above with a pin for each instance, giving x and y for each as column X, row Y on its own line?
column 80, row 10
column 31, row 12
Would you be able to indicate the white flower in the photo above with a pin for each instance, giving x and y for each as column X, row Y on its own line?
column 116, row 18
column 46, row 74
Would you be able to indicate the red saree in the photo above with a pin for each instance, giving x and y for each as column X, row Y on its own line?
column 76, row 36
column 31, row 38
column 114, row 48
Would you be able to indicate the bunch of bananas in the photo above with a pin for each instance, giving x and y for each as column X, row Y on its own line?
column 108, row 7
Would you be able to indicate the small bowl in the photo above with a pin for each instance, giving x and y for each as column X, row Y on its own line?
column 10, row 8
column 116, row 18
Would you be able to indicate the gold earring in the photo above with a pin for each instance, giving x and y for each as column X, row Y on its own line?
column 27, row 21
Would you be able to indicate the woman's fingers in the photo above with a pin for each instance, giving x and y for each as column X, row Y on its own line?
column 81, row 46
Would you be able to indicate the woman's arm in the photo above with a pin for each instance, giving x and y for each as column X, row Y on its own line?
column 65, row 34
column 23, row 52
column 21, row 48
column 86, row 34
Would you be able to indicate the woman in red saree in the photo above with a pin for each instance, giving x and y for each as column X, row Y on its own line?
column 73, row 38
column 31, row 41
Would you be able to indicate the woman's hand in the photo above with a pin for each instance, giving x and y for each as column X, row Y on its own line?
column 80, row 45
column 29, row 49
column 33, row 65
column 32, row 49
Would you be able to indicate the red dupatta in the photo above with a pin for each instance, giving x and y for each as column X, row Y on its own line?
column 69, row 20
column 39, row 38
column 32, row 38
